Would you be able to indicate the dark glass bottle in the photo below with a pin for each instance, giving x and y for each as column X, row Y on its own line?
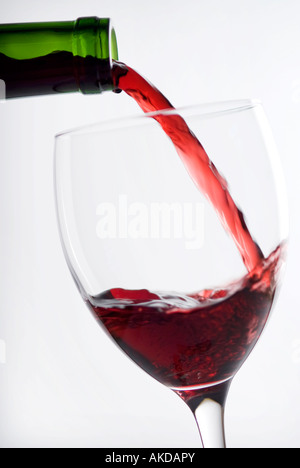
column 61, row 57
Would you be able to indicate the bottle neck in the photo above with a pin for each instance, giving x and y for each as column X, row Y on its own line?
column 94, row 48
column 50, row 58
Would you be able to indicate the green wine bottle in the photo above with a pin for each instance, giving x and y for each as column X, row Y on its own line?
column 62, row 57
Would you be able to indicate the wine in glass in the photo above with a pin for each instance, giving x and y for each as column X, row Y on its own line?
column 178, row 258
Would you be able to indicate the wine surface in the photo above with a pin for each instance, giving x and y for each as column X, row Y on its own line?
column 191, row 340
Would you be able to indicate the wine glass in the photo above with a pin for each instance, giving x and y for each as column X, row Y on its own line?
column 152, row 260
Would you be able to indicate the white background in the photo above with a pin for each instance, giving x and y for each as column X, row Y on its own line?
column 57, row 386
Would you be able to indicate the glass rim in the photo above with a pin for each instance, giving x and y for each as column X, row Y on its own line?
column 204, row 110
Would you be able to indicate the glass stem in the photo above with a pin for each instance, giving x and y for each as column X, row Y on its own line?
column 207, row 405
column 209, row 416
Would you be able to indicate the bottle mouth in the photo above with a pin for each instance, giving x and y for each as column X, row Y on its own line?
column 113, row 45
column 96, row 42
column 113, row 55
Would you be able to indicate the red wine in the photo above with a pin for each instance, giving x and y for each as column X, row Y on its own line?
column 198, row 339
column 201, row 169
column 201, row 339
column 59, row 72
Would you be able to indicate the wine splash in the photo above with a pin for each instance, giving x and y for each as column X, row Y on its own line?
column 199, row 166
column 200, row 339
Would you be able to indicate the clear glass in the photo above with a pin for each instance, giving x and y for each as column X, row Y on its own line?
column 130, row 217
